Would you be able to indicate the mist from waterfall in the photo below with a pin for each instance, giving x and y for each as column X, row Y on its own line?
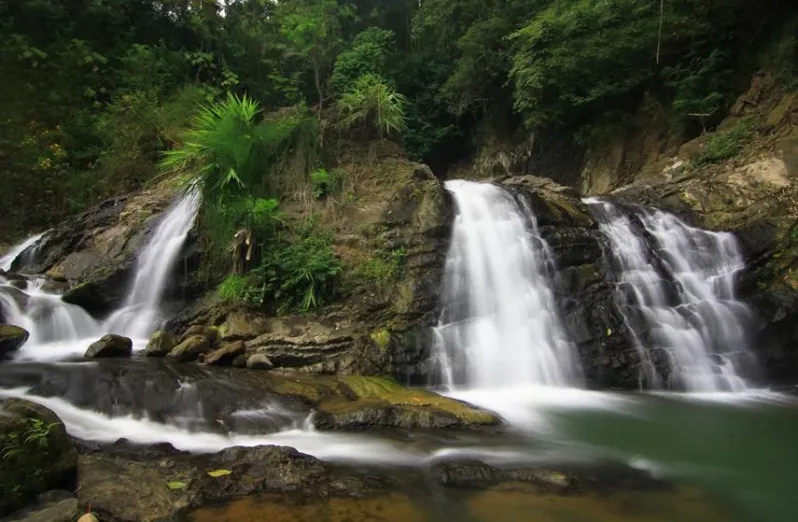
column 499, row 326
column 677, row 296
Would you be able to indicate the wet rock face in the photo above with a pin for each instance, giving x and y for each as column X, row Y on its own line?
column 377, row 326
column 582, row 282
column 37, row 453
column 96, row 250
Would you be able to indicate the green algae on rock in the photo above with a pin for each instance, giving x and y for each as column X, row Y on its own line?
column 36, row 454
column 11, row 339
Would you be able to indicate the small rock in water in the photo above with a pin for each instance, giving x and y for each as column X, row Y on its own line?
column 160, row 344
column 206, row 331
column 190, row 349
column 11, row 338
column 259, row 362
column 110, row 345
column 225, row 355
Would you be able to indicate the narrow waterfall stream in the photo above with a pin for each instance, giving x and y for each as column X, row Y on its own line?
column 499, row 326
column 8, row 258
column 139, row 315
column 685, row 305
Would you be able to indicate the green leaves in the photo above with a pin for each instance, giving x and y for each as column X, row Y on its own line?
column 219, row 473
column 176, row 485
column 372, row 101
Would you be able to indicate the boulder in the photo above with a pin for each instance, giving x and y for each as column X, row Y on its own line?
column 370, row 402
column 11, row 338
column 160, row 344
column 38, row 455
column 206, row 331
column 110, row 345
column 190, row 349
column 52, row 506
column 259, row 362
column 118, row 488
column 225, row 355
column 240, row 361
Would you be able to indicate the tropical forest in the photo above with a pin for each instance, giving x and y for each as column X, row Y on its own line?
column 398, row 260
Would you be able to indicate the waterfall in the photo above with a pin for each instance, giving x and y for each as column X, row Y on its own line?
column 59, row 329
column 499, row 326
column 8, row 258
column 677, row 297
column 155, row 264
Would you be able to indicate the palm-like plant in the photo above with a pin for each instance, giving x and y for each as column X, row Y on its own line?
column 219, row 153
column 372, row 100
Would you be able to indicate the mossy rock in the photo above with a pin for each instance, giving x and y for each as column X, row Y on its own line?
column 110, row 346
column 190, row 349
column 160, row 344
column 11, row 338
column 375, row 401
column 36, row 455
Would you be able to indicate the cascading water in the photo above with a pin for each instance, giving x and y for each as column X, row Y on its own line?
column 8, row 258
column 139, row 314
column 684, row 305
column 499, row 327
column 60, row 330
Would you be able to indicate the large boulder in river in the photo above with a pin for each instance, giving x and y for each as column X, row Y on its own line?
column 110, row 345
column 190, row 349
column 11, row 338
column 37, row 454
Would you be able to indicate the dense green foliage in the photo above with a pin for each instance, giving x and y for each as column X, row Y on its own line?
column 249, row 100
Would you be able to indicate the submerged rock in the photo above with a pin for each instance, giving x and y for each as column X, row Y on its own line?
column 259, row 362
column 160, row 344
column 225, row 355
column 38, row 455
column 110, row 345
column 190, row 349
column 11, row 339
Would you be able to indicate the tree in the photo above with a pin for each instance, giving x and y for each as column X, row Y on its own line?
column 313, row 31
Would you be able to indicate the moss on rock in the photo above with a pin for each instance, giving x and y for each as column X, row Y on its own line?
column 36, row 454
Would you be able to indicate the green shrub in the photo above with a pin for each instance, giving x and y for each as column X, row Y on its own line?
column 384, row 268
column 235, row 289
column 724, row 144
column 372, row 102
column 301, row 275
column 320, row 181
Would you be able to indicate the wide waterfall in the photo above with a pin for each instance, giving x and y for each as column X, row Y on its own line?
column 60, row 330
column 499, row 326
column 677, row 297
